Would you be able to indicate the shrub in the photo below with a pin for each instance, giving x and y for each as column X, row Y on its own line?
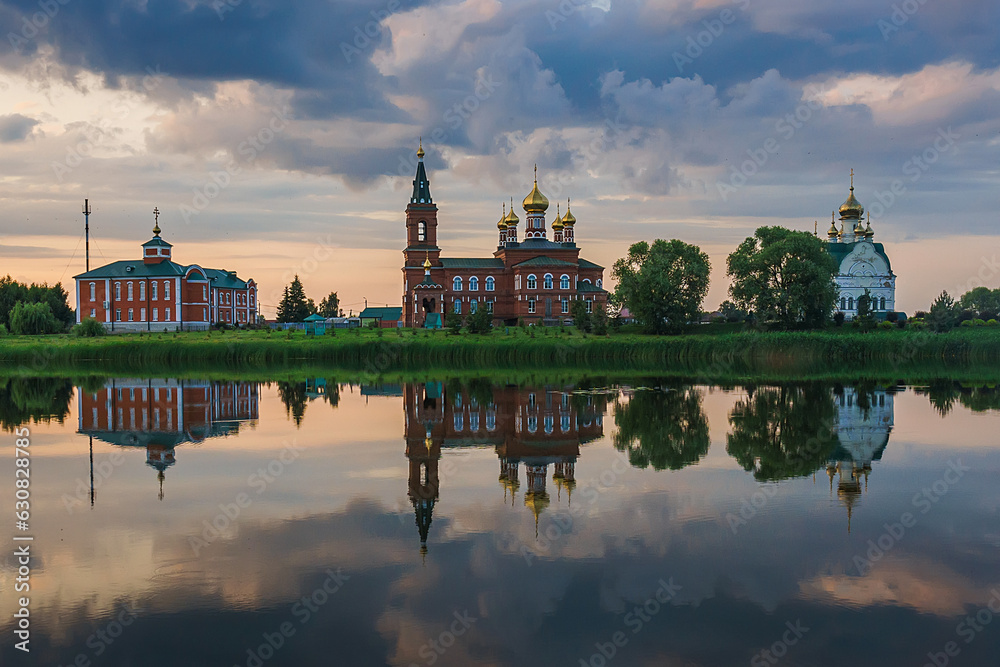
column 992, row 323
column 978, row 323
column 887, row 325
column 31, row 319
column 89, row 328
column 918, row 325
column 454, row 322
column 838, row 318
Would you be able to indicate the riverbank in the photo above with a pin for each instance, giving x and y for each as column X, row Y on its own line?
column 830, row 354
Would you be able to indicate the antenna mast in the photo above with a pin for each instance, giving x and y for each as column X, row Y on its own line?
column 86, row 227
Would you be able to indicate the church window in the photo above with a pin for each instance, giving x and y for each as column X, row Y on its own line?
column 166, row 289
column 473, row 284
column 130, row 318
column 565, row 306
column 490, row 284
column 564, row 282
column 599, row 284
column 531, row 305
column 118, row 291
column 421, row 231
column 458, row 306
column 459, row 422
column 93, row 292
column 489, row 306
column 547, row 281
column 850, row 303
column 473, row 421
column 881, row 304
column 532, row 282
column 590, row 305
column 142, row 291
column 843, row 303
column 130, row 290
column 549, row 422
column 586, row 280
column 491, row 420
column 473, row 306
column 564, row 423
column 456, row 284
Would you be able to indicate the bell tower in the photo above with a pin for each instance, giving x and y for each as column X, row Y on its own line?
column 421, row 219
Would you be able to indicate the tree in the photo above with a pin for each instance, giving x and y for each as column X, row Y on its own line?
column 599, row 319
column 454, row 322
column 984, row 301
column 481, row 321
column 731, row 312
column 784, row 277
column 663, row 284
column 12, row 291
column 664, row 428
column 30, row 319
column 330, row 306
column 294, row 307
column 783, row 432
column 865, row 319
column 942, row 316
column 581, row 318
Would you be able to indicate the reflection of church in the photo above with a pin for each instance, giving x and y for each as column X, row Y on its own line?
column 161, row 414
column 864, row 421
column 537, row 427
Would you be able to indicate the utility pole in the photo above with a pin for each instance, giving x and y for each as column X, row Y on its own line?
column 86, row 227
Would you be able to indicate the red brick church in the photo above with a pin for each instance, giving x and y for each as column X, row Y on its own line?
column 533, row 279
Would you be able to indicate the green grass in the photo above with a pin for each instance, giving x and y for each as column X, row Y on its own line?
column 707, row 353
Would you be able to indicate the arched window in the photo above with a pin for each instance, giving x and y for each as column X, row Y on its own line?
column 459, row 422
column 586, row 280
column 473, row 284
column 458, row 306
column 456, row 284
column 490, row 284
column 532, row 424
column 422, row 231
column 599, row 284
column 564, row 281
column 473, row 306
column 549, row 423
column 547, row 281
column 850, row 303
column 882, row 303
column 532, row 282
column 843, row 303
column 118, row 292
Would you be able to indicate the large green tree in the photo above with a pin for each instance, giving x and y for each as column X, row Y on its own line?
column 983, row 300
column 665, row 428
column 294, row 306
column 32, row 319
column 784, row 277
column 330, row 306
column 783, row 432
column 943, row 315
column 663, row 284
column 12, row 292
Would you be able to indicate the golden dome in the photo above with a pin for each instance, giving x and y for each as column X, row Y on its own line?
column 868, row 230
column 535, row 202
column 558, row 222
column 852, row 208
column 427, row 263
column 420, row 149
column 569, row 219
column 832, row 232
column 502, row 224
column 512, row 218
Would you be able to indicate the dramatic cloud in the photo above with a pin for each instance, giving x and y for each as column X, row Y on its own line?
column 15, row 127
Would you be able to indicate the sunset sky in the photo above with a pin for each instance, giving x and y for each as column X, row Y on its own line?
column 278, row 137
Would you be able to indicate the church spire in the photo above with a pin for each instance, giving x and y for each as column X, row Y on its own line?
column 421, row 186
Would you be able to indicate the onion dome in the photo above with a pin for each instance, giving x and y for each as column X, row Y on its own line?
column 420, row 149
column 852, row 208
column 832, row 232
column 427, row 262
column 558, row 222
column 502, row 224
column 569, row 219
column 512, row 218
column 535, row 202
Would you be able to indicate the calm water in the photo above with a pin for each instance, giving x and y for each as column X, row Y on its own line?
column 234, row 523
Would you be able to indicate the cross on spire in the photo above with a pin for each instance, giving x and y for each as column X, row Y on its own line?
column 156, row 221
column 852, row 178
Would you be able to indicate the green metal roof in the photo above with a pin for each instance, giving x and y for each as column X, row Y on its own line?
column 841, row 250
column 545, row 261
column 223, row 280
column 471, row 263
column 139, row 269
column 315, row 317
column 156, row 241
column 586, row 264
column 588, row 288
column 387, row 313
column 542, row 244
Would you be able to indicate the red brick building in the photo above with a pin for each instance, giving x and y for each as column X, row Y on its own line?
column 533, row 280
column 154, row 293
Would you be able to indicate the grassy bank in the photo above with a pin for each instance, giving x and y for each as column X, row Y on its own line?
column 709, row 355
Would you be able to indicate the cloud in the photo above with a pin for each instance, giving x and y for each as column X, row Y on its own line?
column 15, row 127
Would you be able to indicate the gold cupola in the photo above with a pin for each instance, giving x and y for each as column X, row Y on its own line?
column 852, row 208
column 503, row 218
column 569, row 219
column 558, row 222
column 536, row 202
column 512, row 218
column 833, row 231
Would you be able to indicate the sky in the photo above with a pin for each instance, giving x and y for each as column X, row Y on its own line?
column 278, row 138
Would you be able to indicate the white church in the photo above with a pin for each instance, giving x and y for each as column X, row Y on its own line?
column 862, row 263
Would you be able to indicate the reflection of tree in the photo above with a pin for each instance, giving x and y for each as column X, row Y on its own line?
column 665, row 429
column 332, row 393
column 293, row 396
column 35, row 399
column 943, row 394
column 783, row 432
column 981, row 399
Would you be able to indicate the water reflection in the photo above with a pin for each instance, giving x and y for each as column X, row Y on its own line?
column 443, row 497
